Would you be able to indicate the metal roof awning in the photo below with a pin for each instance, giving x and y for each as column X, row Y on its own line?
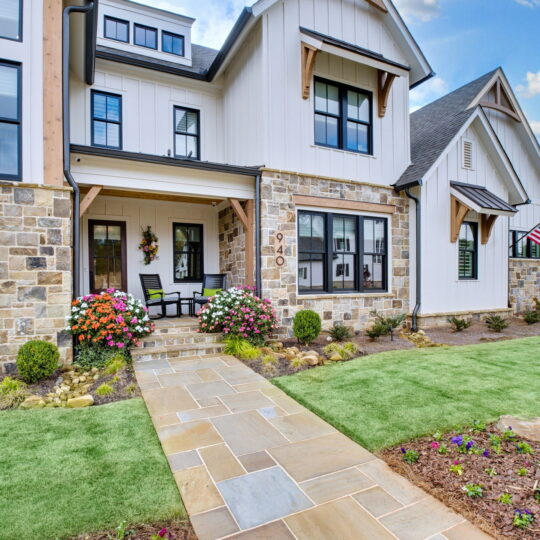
column 481, row 200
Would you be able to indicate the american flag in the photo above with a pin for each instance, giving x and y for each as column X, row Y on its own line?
column 535, row 236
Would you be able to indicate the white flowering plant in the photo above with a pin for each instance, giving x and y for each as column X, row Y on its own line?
column 112, row 319
column 238, row 312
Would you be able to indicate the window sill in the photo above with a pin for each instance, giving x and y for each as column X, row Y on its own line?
column 342, row 151
column 324, row 296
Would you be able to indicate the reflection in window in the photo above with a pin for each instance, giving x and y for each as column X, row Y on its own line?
column 10, row 122
column 468, row 255
column 116, row 29
column 145, row 36
column 11, row 19
column 172, row 43
column 188, row 252
column 186, row 133
column 106, row 120
column 522, row 247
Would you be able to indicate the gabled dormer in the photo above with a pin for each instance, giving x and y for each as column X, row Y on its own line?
column 146, row 31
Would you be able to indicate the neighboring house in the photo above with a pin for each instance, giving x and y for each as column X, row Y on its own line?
column 283, row 160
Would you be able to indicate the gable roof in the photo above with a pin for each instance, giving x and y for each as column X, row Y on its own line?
column 434, row 126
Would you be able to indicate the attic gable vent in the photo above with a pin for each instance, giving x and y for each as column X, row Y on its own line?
column 468, row 154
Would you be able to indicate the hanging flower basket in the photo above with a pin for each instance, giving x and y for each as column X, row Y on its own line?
column 149, row 245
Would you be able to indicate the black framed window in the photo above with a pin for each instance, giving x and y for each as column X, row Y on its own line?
column 341, row 253
column 145, row 36
column 523, row 248
column 11, row 19
column 172, row 43
column 468, row 251
column 343, row 117
column 116, row 29
column 106, row 120
column 186, row 133
column 10, row 121
column 188, row 256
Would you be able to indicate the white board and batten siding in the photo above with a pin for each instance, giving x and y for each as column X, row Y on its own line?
column 442, row 290
column 160, row 215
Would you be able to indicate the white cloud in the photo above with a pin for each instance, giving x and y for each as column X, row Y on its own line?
column 428, row 92
column 529, row 3
column 420, row 10
column 215, row 18
column 532, row 88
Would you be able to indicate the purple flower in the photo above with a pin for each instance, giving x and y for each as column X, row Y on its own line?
column 163, row 532
column 403, row 451
column 469, row 445
column 485, row 453
column 457, row 440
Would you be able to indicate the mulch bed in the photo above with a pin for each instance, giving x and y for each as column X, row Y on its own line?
column 431, row 472
column 176, row 530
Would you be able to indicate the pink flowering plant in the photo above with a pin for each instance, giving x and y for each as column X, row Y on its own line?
column 113, row 320
column 238, row 312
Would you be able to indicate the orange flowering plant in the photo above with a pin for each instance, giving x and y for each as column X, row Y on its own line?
column 112, row 319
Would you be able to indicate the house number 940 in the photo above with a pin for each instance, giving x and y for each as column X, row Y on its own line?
column 278, row 249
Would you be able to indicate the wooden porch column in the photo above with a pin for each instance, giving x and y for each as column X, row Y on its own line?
column 247, row 219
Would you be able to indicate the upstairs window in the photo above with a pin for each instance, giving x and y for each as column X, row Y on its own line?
column 145, row 36
column 468, row 251
column 523, row 248
column 116, row 29
column 343, row 117
column 10, row 121
column 11, row 19
column 106, row 120
column 341, row 253
column 186, row 133
column 172, row 43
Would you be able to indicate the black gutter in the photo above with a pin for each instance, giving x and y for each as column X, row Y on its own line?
column 165, row 160
column 422, row 81
column 258, row 284
column 410, row 184
column 86, row 8
column 418, row 256
column 237, row 29
column 91, row 40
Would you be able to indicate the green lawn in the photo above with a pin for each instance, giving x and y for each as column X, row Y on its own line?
column 383, row 399
column 65, row 472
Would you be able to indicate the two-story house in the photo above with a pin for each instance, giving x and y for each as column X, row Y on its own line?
column 287, row 160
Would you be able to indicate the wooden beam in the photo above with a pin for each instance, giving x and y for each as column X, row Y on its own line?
column 247, row 219
column 487, row 222
column 379, row 4
column 308, row 56
column 53, row 168
column 89, row 199
column 498, row 105
column 343, row 204
column 149, row 195
column 458, row 211
column 385, row 81
column 502, row 109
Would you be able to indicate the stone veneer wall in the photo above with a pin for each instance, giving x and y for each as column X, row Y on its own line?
column 278, row 214
column 232, row 254
column 524, row 283
column 35, row 267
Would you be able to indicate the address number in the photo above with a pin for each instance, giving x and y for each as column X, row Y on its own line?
column 279, row 249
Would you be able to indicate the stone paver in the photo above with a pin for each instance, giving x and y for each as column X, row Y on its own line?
column 251, row 463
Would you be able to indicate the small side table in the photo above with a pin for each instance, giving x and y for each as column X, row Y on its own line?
column 190, row 305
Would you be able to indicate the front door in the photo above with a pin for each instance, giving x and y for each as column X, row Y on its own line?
column 107, row 249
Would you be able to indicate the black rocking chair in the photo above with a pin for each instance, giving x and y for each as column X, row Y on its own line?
column 210, row 281
column 152, row 282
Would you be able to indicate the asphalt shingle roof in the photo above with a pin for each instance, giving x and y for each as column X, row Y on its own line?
column 434, row 126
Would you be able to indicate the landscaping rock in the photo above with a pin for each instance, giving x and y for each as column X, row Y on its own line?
column 530, row 429
column 80, row 401
column 335, row 357
column 32, row 402
column 312, row 360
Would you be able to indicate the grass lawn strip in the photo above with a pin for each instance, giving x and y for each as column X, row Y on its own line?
column 384, row 399
column 66, row 472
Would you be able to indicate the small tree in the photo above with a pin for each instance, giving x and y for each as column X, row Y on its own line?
column 390, row 323
column 306, row 326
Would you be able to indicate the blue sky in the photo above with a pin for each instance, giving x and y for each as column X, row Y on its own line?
column 462, row 39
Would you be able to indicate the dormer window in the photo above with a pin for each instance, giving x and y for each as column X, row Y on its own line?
column 116, row 29
column 172, row 43
column 145, row 36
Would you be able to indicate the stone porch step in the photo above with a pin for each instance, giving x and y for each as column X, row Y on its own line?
column 176, row 351
column 179, row 338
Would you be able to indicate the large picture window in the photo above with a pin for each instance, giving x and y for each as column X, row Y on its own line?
column 11, row 19
column 188, row 252
column 186, row 133
column 106, row 120
column 468, row 251
column 10, row 121
column 523, row 248
column 343, row 117
column 341, row 253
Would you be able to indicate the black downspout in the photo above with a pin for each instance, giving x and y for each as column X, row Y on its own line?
column 258, row 284
column 418, row 255
column 66, row 134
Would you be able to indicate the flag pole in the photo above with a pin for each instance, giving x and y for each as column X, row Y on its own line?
column 524, row 236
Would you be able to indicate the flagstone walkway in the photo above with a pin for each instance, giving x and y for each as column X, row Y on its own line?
column 251, row 463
